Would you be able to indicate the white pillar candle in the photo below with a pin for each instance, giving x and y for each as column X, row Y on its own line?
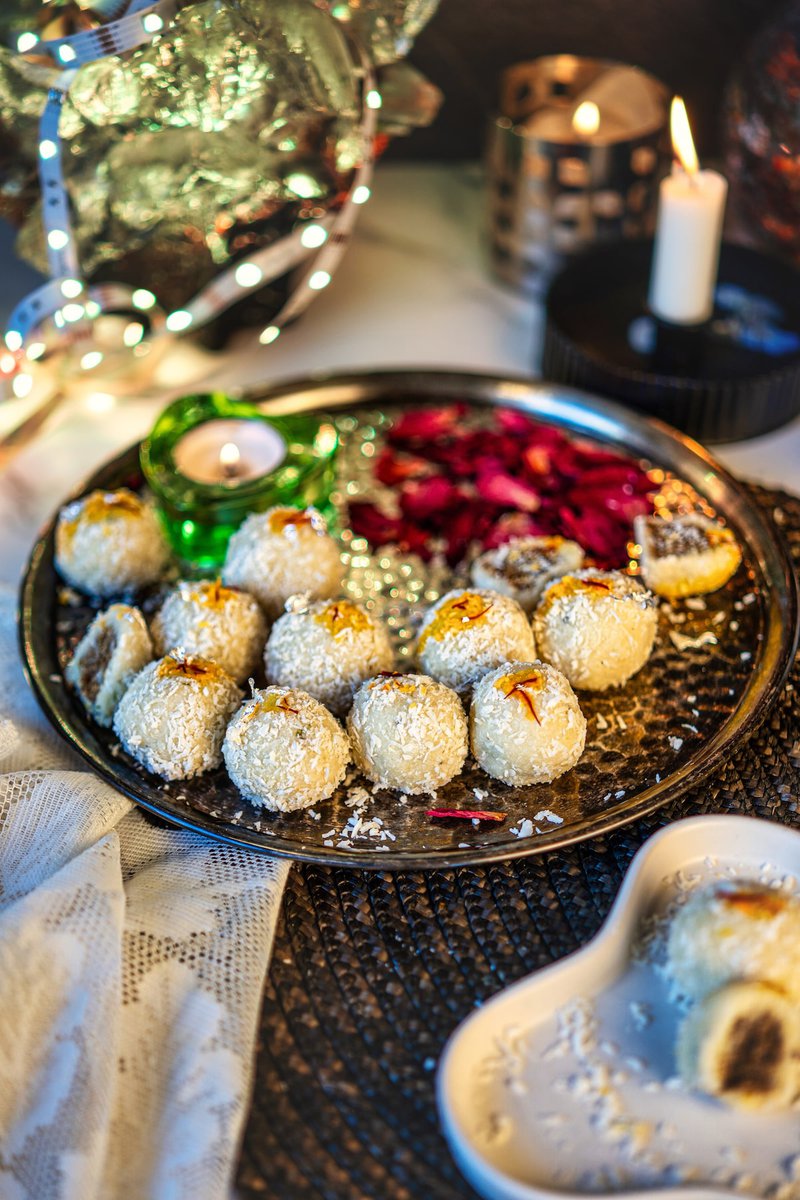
column 691, row 207
column 229, row 451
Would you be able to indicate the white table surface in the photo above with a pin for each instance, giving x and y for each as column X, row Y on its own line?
column 414, row 290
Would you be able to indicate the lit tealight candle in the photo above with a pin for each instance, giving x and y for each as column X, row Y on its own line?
column 229, row 451
column 691, row 206
column 586, row 119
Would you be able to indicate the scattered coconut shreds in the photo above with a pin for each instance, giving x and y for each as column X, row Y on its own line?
column 524, row 829
column 675, row 742
column 465, row 814
column 602, row 723
column 546, row 814
column 682, row 641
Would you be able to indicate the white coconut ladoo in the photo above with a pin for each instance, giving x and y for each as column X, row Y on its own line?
column 114, row 648
column 523, row 567
column 742, row 1044
column 467, row 633
column 596, row 627
column 278, row 553
column 733, row 951
column 685, row 555
column 526, row 725
column 109, row 543
column 215, row 622
column 327, row 649
column 733, row 930
column 284, row 751
column 173, row 717
column 408, row 732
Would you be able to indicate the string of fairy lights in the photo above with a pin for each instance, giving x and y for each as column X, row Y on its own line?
column 61, row 309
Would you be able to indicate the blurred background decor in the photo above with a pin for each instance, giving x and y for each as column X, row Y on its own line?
column 762, row 133
column 206, row 163
column 573, row 158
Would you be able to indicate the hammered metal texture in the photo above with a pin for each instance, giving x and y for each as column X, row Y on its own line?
column 372, row 971
column 639, row 737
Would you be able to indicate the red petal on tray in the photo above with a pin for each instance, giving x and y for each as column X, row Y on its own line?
column 598, row 533
column 511, row 420
column 497, row 487
column 466, row 814
column 392, row 468
column 420, row 499
column 426, row 423
column 369, row 522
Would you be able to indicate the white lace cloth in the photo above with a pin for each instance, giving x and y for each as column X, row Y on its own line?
column 131, row 965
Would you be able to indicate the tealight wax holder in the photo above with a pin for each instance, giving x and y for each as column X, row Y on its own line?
column 573, row 158
column 210, row 460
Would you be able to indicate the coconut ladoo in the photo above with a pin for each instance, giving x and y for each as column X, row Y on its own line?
column 284, row 751
column 173, row 717
column 110, row 543
column 114, row 648
column 596, row 627
column 207, row 619
column 467, row 633
column 408, row 732
column 523, row 567
column 526, row 725
column 741, row 1044
column 685, row 555
column 280, row 552
column 327, row 649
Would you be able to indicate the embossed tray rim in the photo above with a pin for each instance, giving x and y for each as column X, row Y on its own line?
column 577, row 413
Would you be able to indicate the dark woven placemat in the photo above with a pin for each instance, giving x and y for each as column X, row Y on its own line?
column 372, row 971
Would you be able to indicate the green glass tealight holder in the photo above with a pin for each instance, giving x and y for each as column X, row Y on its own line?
column 211, row 459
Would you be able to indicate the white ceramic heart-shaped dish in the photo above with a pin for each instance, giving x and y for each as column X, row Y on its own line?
column 564, row 1084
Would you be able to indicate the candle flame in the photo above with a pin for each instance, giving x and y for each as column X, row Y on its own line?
column 682, row 141
column 229, row 455
column 586, row 118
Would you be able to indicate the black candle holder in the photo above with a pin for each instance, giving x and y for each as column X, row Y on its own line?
column 733, row 377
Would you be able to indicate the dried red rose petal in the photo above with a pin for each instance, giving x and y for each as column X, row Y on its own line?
column 425, row 424
column 420, row 499
column 466, row 814
column 391, row 468
column 369, row 522
column 497, row 487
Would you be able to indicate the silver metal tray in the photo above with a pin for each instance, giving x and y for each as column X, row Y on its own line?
column 662, row 734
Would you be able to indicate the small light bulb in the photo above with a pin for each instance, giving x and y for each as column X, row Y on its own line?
column 13, row 340
column 152, row 23
column 179, row 320
column 248, row 275
column 143, row 299
column 7, row 364
column 374, row 99
column 361, row 194
column 319, row 280
column 132, row 334
column 71, row 288
column 22, row 385
column 66, row 54
column 269, row 334
column 57, row 239
column 313, row 236
column 35, row 350
column 26, row 42
column 47, row 148
column 91, row 360
column 73, row 312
